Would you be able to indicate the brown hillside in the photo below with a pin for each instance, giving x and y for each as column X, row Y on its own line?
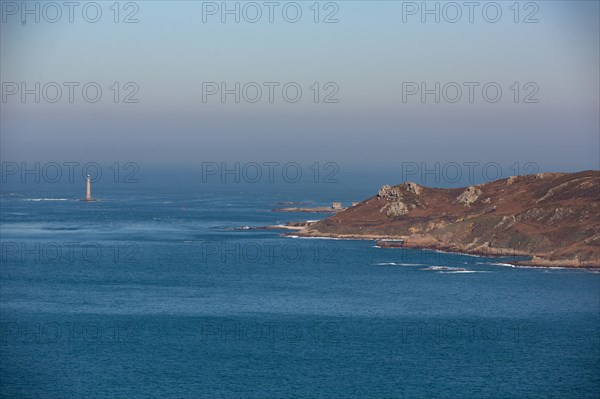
column 552, row 217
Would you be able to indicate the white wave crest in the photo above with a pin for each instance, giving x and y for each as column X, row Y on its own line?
column 45, row 199
column 398, row 264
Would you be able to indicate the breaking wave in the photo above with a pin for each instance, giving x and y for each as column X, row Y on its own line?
column 45, row 199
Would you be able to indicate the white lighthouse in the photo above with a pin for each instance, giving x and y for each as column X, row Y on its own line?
column 88, row 191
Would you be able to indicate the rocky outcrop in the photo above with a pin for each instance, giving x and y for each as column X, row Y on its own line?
column 400, row 199
column 469, row 196
column 397, row 208
column 413, row 188
column 389, row 192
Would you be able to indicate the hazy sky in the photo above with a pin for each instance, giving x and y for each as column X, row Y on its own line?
column 374, row 53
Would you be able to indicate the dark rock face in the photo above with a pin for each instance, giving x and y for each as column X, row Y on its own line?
column 552, row 217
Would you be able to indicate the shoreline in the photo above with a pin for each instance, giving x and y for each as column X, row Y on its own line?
column 321, row 209
column 501, row 252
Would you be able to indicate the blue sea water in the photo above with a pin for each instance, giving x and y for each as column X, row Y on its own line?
column 151, row 293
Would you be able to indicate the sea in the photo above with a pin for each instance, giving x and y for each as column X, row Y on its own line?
column 167, row 291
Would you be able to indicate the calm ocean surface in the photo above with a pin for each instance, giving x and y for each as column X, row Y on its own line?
column 152, row 294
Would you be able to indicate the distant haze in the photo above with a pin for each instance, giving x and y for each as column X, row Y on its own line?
column 368, row 54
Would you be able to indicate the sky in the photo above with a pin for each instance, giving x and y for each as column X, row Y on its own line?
column 165, row 64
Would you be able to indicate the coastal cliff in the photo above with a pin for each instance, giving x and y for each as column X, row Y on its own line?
column 552, row 218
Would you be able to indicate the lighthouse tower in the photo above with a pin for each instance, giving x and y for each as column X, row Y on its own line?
column 88, row 192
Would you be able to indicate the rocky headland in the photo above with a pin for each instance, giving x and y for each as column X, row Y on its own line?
column 553, row 219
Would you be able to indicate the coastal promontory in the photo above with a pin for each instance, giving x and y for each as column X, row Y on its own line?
column 551, row 219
